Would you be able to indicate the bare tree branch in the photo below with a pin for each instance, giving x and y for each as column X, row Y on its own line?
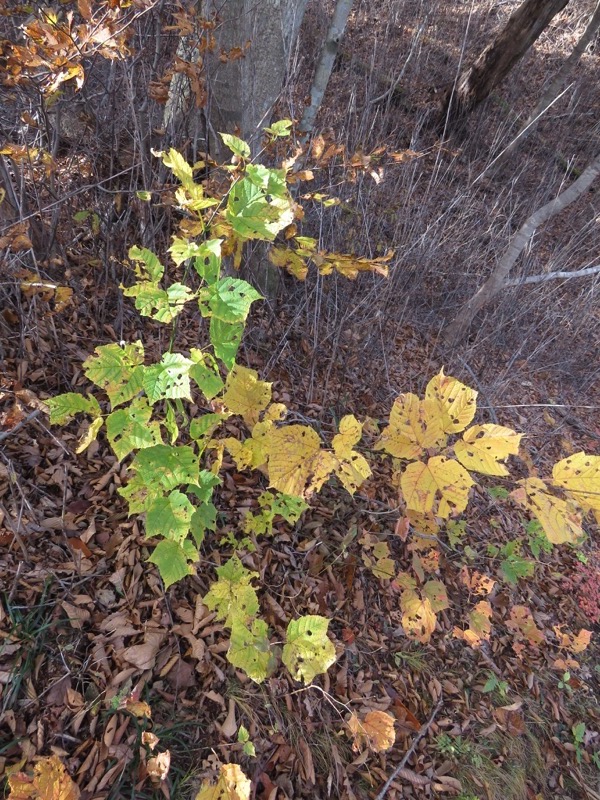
column 498, row 279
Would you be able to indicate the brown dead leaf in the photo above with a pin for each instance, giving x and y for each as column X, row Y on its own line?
column 77, row 616
column 143, row 656
column 158, row 766
column 376, row 731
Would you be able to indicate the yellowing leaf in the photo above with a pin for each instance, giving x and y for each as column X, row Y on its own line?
column 232, row 596
column 349, row 435
column 484, row 447
column 297, row 464
column 576, row 643
column 579, row 476
column 308, row 651
column 90, row 435
column 418, row 616
column 480, row 625
column 560, row 521
column 352, row 468
column 440, row 486
column 50, row 781
column 376, row 731
column 245, row 394
column 456, row 402
column 435, row 592
column 522, row 624
column 232, row 785
column 415, row 425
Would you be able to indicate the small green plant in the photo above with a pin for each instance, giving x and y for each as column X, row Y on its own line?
column 458, row 749
column 537, row 539
column 494, row 684
column 578, row 731
column 244, row 739
column 565, row 684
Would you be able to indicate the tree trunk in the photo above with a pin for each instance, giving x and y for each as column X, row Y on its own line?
column 493, row 65
column 554, row 91
column 341, row 13
column 498, row 280
column 243, row 91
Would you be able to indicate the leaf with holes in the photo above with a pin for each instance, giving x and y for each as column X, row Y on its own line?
column 229, row 300
column 559, row 519
column 166, row 467
column 297, row 464
column 456, row 403
column 579, row 476
column 308, row 651
column 415, row 426
column 483, row 448
column 168, row 380
column 440, row 486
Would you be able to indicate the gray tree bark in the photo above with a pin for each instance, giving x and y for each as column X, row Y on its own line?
column 243, row 92
column 325, row 65
column 495, row 62
column 498, row 280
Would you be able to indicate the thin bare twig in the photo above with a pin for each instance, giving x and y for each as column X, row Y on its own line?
column 411, row 750
column 19, row 425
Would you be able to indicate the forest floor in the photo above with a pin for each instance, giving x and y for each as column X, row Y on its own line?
column 87, row 630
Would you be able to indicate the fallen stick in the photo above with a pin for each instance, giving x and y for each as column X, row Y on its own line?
column 410, row 751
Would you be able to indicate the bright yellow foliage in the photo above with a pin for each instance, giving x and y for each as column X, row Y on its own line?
column 352, row 468
column 484, row 447
column 245, row 394
column 456, row 403
column 50, row 781
column 440, row 486
column 232, row 785
column 579, row 476
column 415, row 425
column 297, row 464
column 558, row 518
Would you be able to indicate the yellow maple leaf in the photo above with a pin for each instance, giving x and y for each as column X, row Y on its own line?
column 456, row 403
column 440, row 486
column 415, row 425
column 579, row 476
column 50, row 781
column 245, row 394
column 523, row 626
column 231, row 785
column 480, row 625
column 297, row 464
column 559, row 519
column 376, row 731
column 484, row 447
